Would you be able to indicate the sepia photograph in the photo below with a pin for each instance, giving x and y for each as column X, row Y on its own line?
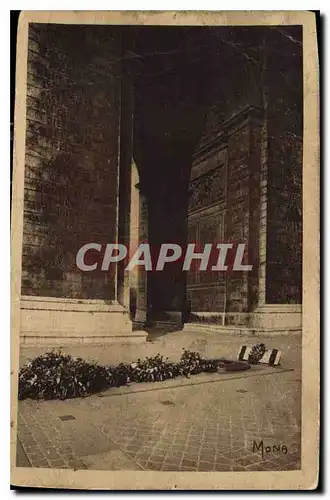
column 165, row 259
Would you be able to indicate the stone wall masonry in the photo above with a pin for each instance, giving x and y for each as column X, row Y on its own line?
column 227, row 209
column 284, row 184
column 206, row 224
column 71, row 169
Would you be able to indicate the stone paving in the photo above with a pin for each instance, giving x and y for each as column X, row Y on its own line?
column 250, row 421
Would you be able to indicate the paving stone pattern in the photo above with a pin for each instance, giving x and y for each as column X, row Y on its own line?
column 201, row 427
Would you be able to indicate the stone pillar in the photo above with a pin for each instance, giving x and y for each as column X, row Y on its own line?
column 77, row 179
column 142, row 279
column 280, row 243
column 125, row 182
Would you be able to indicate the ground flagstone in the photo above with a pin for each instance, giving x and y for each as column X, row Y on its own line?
column 199, row 427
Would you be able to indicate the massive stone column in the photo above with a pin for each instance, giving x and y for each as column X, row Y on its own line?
column 257, row 122
column 76, row 185
column 280, row 279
